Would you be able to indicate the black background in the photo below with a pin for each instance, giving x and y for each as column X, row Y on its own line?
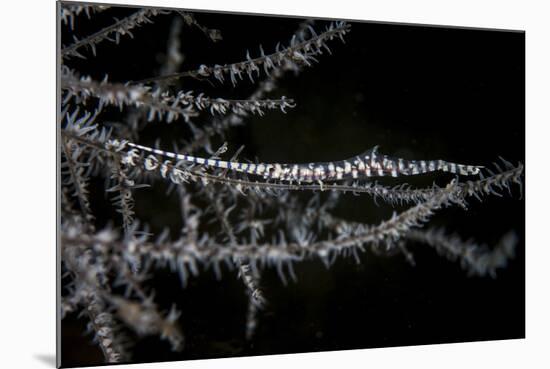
column 420, row 92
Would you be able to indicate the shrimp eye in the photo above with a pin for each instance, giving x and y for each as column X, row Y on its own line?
column 271, row 171
column 268, row 171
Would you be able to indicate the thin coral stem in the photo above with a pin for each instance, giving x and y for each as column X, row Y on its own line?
column 477, row 259
column 162, row 104
column 177, row 175
column 298, row 52
column 210, row 252
column 121, row 27
column 78, row 181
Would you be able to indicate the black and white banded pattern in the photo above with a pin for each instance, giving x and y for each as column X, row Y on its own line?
column 367, row 164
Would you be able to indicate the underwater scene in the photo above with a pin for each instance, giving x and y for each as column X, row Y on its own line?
column 239, row 184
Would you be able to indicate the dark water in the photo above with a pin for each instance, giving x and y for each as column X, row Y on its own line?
column 418, row 92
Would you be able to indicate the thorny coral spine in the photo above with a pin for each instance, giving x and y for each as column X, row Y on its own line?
column 367, row 164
